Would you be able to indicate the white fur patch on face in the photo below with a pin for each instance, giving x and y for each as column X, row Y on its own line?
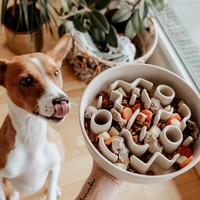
column 38, row 64
column 45, row 103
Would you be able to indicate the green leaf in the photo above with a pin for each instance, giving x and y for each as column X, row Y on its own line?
column 35, row 17
column 123, row 4
column 98, row 36
column 133, row 26
column 20, row 19
column 99, row 21
column 24, row 6
column 78, row 25
column 54, row 8
column 121, row 15
column 66, row 6
column 129, row 30
column 52, row 17
column 83, row 2
column 3, row 10
column 111, row 37
column 159, row 4
column 136, row 21
column 43, row 12
column 102, row 4
column 46, row 14
column 143, row 9
column 61, row 30
column 91, row 1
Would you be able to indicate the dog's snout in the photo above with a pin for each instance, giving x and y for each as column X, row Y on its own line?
column 60, row 99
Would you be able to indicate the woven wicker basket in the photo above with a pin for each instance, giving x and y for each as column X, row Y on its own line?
column 87, row 65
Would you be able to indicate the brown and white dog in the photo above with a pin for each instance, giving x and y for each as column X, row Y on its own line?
column 30, row 149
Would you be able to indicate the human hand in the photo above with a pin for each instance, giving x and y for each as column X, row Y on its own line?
column 100, row 185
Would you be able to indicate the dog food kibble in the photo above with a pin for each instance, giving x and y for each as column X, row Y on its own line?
column 141, row 127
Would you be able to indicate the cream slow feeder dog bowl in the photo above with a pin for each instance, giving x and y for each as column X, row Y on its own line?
column 161, row 84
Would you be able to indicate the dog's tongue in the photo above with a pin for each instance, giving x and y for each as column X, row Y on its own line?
column 61, row 109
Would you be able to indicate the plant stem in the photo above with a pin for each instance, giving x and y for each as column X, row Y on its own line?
column 133, row 4
column 85, row 9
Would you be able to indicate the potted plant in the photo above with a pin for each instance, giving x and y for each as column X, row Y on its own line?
column 23, row 21
column 108, row 32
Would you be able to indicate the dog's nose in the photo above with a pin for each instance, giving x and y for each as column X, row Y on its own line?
column 59, row 100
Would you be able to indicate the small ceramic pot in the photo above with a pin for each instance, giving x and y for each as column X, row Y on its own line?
column 101, row 121
column 171, row 137
column 165, row 93
column 23, row 42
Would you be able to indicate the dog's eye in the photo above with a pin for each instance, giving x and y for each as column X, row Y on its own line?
column 56, row 73
column 28, row 81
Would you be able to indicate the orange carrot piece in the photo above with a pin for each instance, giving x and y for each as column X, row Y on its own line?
column 186, row 162
column 174, row 115
column 109, row 141
column 126, row 113
column 184, row 151
column 137, row 105
column 149, row 115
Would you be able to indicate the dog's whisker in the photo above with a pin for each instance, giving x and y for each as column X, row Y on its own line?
column 74, row 104
column 75, row 101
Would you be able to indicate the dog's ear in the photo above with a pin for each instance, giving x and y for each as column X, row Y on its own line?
column 3, row 64
column 63, row 46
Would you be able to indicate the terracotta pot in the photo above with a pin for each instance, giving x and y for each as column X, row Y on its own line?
column 20, row 38
column 23, row 42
